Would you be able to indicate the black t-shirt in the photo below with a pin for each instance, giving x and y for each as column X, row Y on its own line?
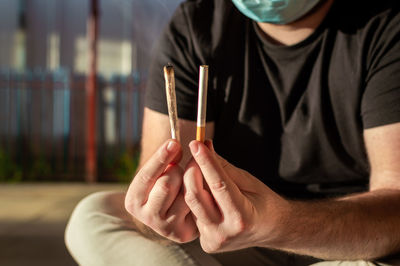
column 293, row 116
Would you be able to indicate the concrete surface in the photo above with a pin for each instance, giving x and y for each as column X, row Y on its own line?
column 33, row 218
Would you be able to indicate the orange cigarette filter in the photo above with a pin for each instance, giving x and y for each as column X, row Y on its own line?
column 202, row 104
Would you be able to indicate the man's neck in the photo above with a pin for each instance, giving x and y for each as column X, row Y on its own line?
column 295, row 32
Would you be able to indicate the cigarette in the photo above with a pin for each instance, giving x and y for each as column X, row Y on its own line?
column 171, row 101
column 202, row 104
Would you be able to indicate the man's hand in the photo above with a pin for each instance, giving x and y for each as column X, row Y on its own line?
column 155, row 197
column 233, row 209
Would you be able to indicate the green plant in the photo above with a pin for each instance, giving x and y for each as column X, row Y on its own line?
column 39, row 169
column 125, row 166
column 9, row 170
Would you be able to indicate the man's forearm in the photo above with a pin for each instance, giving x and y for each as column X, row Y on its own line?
column 364, row 226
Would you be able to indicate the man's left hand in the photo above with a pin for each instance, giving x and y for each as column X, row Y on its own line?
column 232, row 209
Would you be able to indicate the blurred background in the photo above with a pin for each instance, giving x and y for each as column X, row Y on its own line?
column 72, row 80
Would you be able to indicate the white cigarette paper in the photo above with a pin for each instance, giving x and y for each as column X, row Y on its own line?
column 202, row 103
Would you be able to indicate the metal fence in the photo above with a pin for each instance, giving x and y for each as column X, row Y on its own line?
column 43, row 118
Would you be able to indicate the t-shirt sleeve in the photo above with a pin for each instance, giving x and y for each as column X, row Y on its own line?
column 381, row 99
column 176, row 47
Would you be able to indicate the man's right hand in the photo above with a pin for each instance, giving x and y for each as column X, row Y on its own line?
column 155, row 196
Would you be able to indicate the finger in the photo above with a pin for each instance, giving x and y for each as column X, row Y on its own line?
column 180, row 216
column 178, row 210
column 209, row 144
column 164, row 191
column 224, row 163
column 239, row 176
column 222, row 188
column 178, row 156
column 153, row 168
column 197, row 198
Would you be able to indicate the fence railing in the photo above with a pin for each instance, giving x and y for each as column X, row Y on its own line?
column 43, row 125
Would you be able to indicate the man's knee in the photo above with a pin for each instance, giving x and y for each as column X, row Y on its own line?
column 89, row 220
column 100, row 232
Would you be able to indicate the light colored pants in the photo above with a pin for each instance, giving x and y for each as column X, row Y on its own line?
column 100, row 233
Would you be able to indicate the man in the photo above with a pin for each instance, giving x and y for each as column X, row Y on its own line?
column 304, row 112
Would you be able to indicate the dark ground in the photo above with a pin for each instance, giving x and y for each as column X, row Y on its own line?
column 33, row 218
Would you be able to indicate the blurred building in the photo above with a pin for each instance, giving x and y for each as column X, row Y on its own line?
column 43, row 63
column 52, row 33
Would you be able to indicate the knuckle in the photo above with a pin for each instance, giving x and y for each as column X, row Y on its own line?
column 191, row 199
column 158, row 214
column 165, row 230
column 172, row 232
column 181, row 239
column 164, row 187
column 145, row 178
column 207, row 249
column 147, row 220
column 186, row 236
column 150, row 217
column 239, row 224
column 219, row 186
column 152, row 214
column 221, row 240
column 131, row 205
column 207, row 246
column 214, row 246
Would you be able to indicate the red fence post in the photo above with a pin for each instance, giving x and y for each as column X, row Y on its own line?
column 91, row 89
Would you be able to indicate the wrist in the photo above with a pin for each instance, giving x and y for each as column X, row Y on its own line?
column 276, row 221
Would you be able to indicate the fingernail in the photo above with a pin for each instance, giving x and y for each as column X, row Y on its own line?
column 194, row 147
column 172, row 146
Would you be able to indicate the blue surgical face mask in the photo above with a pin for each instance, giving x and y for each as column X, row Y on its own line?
column 275, row 11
